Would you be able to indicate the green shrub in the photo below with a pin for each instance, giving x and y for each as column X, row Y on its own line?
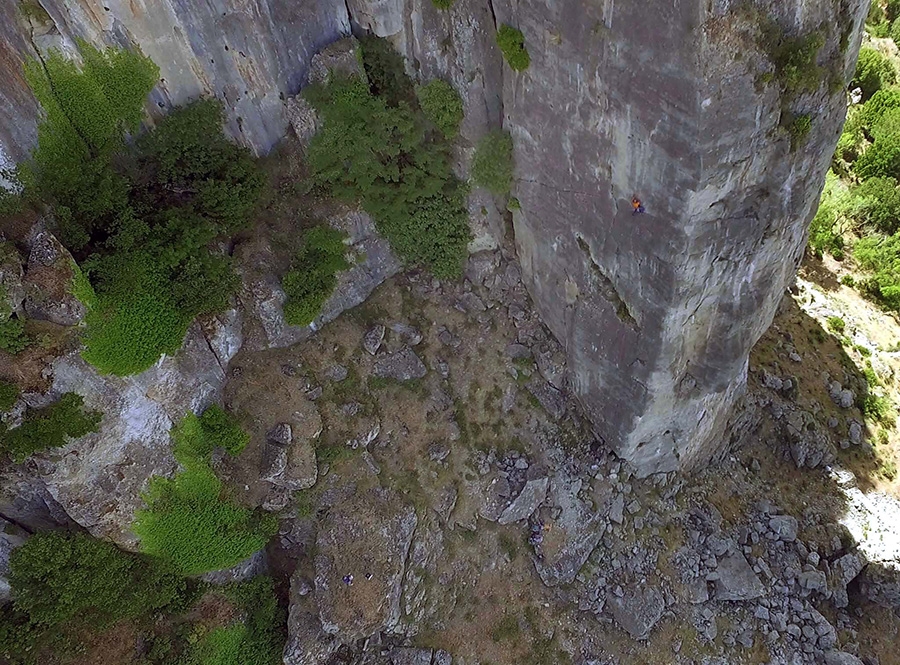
column 794, row 57
column 195, row 438
column 847, row 280
column 895, row 31
column 443, row 4
column 382, row 156
column 188, row 521
column 836, row 324
column 876, row 13
column 880, row 255
column 492, row 167
column 255, row 641
column 877, row 203
column 67, row 584
column 873, row 72
column 442, row 105
column 877, row 105
column 881, row 160
column 798, row 128
column 49, row 427
column 313, row 276
column 512, row 44
column 9, row 394
column 12, row 335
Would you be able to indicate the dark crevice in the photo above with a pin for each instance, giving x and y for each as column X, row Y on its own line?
column 607, row 289
column 16, row 523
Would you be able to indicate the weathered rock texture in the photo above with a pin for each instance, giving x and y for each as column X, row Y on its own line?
column 663, row 100
column 658, row 312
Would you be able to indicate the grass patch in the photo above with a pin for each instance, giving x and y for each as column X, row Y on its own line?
column 312, row 278
column 492, row 167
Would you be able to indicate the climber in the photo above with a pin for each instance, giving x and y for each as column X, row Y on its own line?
column 637, row 205
column 348, row 580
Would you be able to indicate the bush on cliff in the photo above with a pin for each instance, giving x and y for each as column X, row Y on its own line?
column 386, row 157
column 312, row 278
column 49, row 427
column 492, row 167
column 512, row 44
column 189, row 521
column 442, row 105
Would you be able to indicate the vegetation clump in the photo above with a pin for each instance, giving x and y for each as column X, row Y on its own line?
column 442, row 105
column 49, row 427
column 386, row 157
column 9, row 394
column 189, row 521
column 443, row 4
column 13, row 338
column 873, row 72
column 313, row 276
column 140, row 216
column 492, row 167
column 66, row 585
column 512, row 44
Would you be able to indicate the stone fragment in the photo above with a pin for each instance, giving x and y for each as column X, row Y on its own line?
column 785, row 527
column 737, row 581
column 531, row 496
column 373, row 338
column 404, row 365
column 834, row 657
column 637, row 611
column 552, row 400
column 50, row 282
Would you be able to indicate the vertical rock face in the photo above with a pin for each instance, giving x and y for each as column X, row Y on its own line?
column 666, row 101
column 250, row 54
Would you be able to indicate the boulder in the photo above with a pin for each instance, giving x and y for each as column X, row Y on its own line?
column 404, row 365
column 307, row 643
column 256, row 564
column 531, row 496
column 785, row 527
column 737, row 581
column 638, row 610
column 572, row 535
column 551, row 399
column 49, row 282
column 99, row 478
column 367, row 535
column 834, row 657
column 410, row 656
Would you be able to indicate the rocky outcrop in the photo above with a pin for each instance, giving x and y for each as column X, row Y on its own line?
column 98, row 479
column 361, row 553
column 50, row 281
column 263, row 298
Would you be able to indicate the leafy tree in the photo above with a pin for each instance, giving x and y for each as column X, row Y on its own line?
column 88, row 110
column 512, row 44
column 875, row 108
column 49, row 427
column 385, row 71
column 880, row 160
column 313, row 276
column 825, row 228
column 881, row 256
column 384, row 157
column 874, row 71
column 877, row 203
column 492, row 167
column 892, row 10
column 189, row 522
column 442, row 105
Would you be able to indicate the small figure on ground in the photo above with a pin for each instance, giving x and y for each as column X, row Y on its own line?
column 638, row 207
column 369, row 576
column 537, row 535
column 348, row 580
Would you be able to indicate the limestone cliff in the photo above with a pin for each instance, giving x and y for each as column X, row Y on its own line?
column 677, row 102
